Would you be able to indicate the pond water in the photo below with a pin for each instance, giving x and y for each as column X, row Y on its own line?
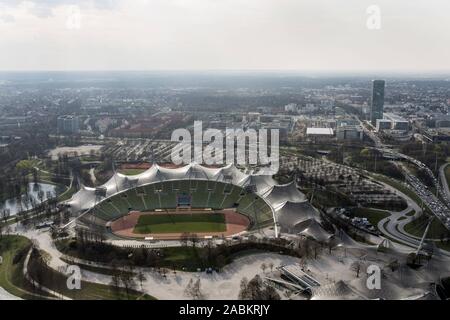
column 36, row 193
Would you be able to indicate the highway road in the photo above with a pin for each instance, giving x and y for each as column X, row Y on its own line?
column 437, row 207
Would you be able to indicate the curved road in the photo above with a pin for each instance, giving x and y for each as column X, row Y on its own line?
column 388, row 225
column 444, row 179
column 394, row 225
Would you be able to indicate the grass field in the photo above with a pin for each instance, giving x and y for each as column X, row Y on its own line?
column 417, row 228
column 373, row 215
column 447, row 174
column 401, row 187
column 179, row 223
column 89, row 291
column 131, row 172
column 13, row 249
column 436, row 231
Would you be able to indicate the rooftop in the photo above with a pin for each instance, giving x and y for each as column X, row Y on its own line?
column 319, row 131
column 394, row 117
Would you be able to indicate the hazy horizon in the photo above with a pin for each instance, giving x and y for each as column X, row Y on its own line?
column 319, row 36
column 250, row 72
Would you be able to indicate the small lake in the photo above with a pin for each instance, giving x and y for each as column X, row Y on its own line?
column 36, row 192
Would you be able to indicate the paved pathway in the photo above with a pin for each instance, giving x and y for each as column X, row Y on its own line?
column 5, row 295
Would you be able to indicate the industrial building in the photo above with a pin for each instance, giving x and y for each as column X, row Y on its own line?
column 392, row 121
column 349, row 132
column 398, row 122
column 383, row 124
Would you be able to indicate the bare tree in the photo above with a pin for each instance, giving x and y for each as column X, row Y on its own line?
column 188, row 289
column 255, row 289
column 193, row 290
column 263, row 267
column 115, row 278
column 141, row 278
column 196, row 290
column 243, row 289
column 356, row 266
column 184, row 238
column 128, row 282
column 194, row 239
column 316, row 249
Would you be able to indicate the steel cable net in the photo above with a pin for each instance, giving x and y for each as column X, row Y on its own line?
column 287, row 206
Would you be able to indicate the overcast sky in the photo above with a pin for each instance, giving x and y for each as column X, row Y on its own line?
column 323, row 35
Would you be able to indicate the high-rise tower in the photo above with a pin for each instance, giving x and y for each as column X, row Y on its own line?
column 377, row 101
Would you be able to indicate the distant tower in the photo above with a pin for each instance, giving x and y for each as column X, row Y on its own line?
column 68, row 124
column 377, row 101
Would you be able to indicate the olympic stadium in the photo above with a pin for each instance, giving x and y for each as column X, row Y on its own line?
column 165, row 203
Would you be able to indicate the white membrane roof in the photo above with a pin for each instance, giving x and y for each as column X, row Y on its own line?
column 291, row 211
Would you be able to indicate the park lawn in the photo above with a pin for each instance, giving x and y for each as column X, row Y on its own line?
column 66, row 195
column 417, row 227
column 89, row 291
column 180, row 223
column 13, row 281
column 410, row 213
column 437, row 229
column 327, row 198
column 443, row 245
column 183, row 257
column 95, row 269
column 373, row 215
column 95, row 291
column 399, row 186
column 447, row 174
column 11, row 276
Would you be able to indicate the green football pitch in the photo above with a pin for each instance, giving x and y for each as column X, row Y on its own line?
column 179, row 223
